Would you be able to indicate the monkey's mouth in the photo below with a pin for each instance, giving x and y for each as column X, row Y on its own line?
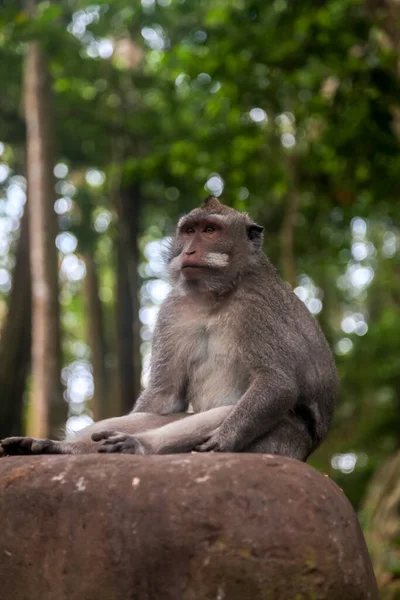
column 193, row 266
column 193, row 271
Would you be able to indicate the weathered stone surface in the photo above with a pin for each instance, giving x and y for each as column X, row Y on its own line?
column 183, row 527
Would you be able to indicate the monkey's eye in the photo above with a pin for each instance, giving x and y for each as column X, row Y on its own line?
column 189, row 230
column 209, row 229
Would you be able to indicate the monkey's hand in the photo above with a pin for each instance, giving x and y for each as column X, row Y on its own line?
column 215, row 443
column 14, row 446
column 115, row 441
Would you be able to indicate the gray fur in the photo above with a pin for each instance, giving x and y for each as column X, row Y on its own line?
column 232, row 341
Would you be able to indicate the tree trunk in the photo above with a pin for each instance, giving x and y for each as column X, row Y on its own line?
column 99, row 404
column 288, row 261
column 15, row 347
column 49, row 409
column 128, row 305
column 124, row 324
column 381, row 522
column 132, row 199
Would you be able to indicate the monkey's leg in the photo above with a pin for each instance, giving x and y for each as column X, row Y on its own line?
column 180, row 436
column 81, row 442
column 290, row 437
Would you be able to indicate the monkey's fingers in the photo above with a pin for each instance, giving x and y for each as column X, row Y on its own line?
column 116, row 438
column 11, row 441
column 111, row 447
column 102, row 435
column 124, row 444
column 211, row 445
column 14, row 446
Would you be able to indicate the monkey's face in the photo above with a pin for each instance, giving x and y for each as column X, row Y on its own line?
column 202, row 248
column 210, row 251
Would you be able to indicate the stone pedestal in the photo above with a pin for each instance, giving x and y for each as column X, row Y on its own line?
column 181, row 527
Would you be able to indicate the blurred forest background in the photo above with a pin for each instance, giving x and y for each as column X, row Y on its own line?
column 116, row 117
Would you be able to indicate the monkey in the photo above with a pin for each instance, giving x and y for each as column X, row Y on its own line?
column 232, row 342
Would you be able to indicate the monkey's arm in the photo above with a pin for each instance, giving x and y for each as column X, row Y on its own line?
column 269, row 398
column 165, row 392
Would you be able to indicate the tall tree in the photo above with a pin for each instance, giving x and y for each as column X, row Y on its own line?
column 49, row 409
column 97, row 342
column 15, row 351
column 128, row 204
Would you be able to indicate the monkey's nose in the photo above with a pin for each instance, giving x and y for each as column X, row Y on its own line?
column 190, row 252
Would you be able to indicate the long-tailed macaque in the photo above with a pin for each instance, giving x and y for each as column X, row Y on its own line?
column 233, row 342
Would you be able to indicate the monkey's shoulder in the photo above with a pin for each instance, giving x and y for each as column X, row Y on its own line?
column 267, row 293
column 264, row 300
column 274, row 320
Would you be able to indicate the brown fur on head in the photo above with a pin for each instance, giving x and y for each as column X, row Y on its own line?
column 213, row 205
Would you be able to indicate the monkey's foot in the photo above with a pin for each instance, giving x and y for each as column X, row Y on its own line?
column 118, row 442
column 14, row 446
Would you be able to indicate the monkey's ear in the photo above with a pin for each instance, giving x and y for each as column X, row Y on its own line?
column 255, row 234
